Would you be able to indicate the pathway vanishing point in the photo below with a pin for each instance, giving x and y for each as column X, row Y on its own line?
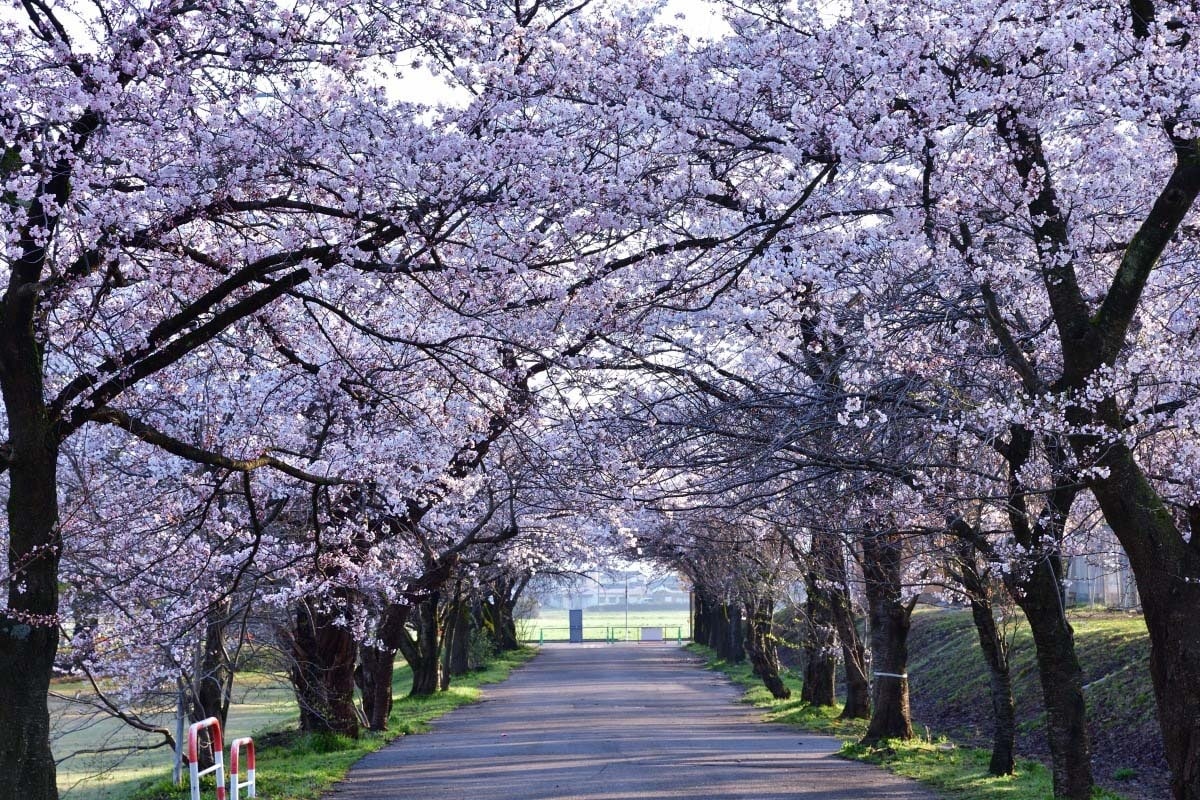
column 615, row 722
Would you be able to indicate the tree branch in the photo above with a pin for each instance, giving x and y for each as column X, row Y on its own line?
column 198, row 455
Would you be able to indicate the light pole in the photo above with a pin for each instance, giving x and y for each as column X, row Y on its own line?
column 627, row 605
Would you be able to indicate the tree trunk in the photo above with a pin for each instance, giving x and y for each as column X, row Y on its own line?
column 889, row 617
column 1166, row 567
column 498, row 617
column 700, row 632
column 820, row 644
column 726, row 621
column 422, row 651
column 1004, row 732
column 459, row 646
column 212, row 678
column 858, row 685
column 376, row 666
column 454, row 630
column 760, row 646
column 1061, row 678
column 29, row 625
column 977, row 587
column 323, row 671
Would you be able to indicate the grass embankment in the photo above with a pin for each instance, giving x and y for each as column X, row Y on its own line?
column 949, row 692
column 957, row 772
column 298, row 766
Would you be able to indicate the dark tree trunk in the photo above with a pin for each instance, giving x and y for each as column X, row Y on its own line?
column 459, row 646
column 212, row 681
column 820, row 645
column 829, row 565
column 726, row 622
column 29, row 626
column 376, row 666
column 422, row 651
column 700, row 632
column 1166, row 567
column 760, row 646
column 858, row 685
column 1004, row 732
column 499, row 611
column 455, row 632
column 322, row 671
column 1036, row 585
column 964, row 567
column 716, row 623
column 889, row 618
column 1061, row 679
column 500, row 624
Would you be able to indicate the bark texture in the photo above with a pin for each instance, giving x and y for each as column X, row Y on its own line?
column 323, row 655
column 29, row 626
column 421, row 648
column 820, row 644
column 889, row 617
column 977, row 586
column 760, row 646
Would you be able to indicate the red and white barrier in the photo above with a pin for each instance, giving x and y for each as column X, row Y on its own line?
column 234, row 785
column 218, row 751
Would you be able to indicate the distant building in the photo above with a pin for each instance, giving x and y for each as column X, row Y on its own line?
column 605, row 589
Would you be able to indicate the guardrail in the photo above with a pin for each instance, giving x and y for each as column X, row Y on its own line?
column 218, row 768
column 234, row 784
column 218, row 751
column 611, row 634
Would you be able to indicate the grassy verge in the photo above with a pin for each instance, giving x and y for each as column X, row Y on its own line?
column 957, row 772
column 297, row 766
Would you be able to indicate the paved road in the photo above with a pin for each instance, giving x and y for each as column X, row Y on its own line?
column 614, row 722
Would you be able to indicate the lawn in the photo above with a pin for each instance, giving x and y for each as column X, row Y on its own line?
column 552, row 624
column 261, row 702
column 957, row 772
column 291, row 766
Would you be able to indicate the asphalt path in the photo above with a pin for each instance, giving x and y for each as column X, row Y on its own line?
column 615, row 722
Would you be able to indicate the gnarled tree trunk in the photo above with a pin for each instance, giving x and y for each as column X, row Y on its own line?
column 963, row 566
column 422, row 650
column 760, row 646
column 1036, row 585
column 820, row 643
column 889, row 617
column 1166, row 567
column 322, row 670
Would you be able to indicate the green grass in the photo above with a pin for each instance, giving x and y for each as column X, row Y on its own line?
column 949, row 679
column 296, row 766
column 260, row 702
column 597, row 624
column 957, row 772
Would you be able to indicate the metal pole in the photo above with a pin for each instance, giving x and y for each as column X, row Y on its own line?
column 177, row 770
column 627, row 606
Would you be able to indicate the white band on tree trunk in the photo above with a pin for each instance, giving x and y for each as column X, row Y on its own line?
column 891, row 675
